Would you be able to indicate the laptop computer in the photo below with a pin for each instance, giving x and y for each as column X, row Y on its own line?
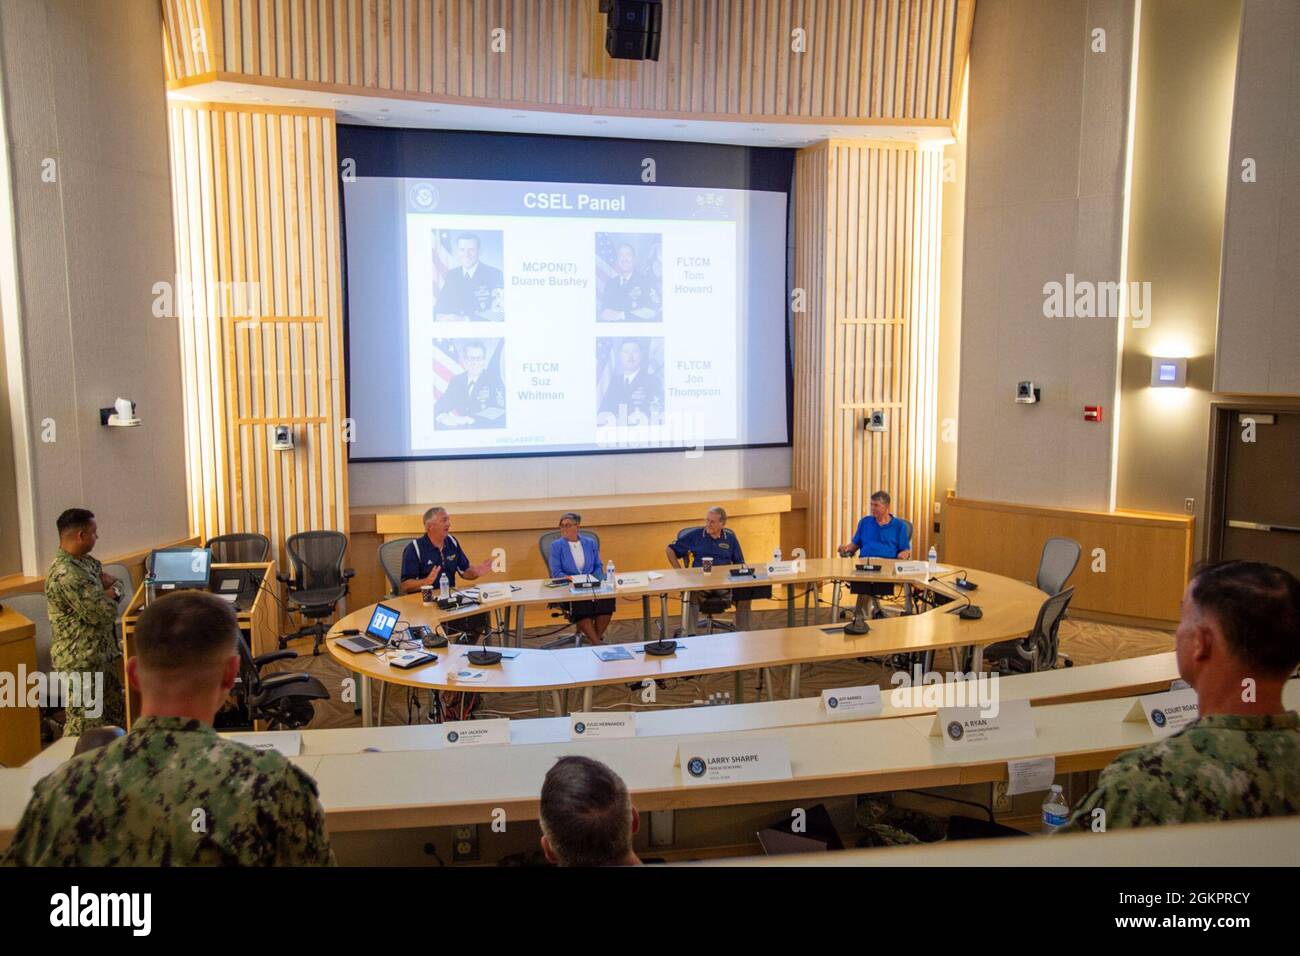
column 382, row 622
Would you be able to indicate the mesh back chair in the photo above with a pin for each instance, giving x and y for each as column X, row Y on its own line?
column 318, row 583
column 1060, row 557
column 390, row 559
column 711, row 603
column 284, row 701
column 33, row 607
column 561, row 608
column 244, row 548
column 1037, row 651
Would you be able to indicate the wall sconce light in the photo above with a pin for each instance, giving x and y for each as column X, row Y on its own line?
column 1168, row 372
column 120, row 415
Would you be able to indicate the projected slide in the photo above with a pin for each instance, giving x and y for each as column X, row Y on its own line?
column 542, row 317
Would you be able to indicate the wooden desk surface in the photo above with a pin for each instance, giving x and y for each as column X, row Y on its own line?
column 14, row 627
column 1010, row 609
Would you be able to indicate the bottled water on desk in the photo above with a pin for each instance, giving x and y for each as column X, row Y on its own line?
column 1055, row 810
column 933, row 558
column 609, row 572
column 444, row 588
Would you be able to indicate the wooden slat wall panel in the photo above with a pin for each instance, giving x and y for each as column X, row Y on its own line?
column 257, row 238
column 877, row 59
column 867, row 247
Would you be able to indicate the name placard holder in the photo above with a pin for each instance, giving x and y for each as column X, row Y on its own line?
column 842, row 702
column 287, row 742
column 1165, row 713
column 734, row 760
column 639, row 580
column 963, row 726
column 777, row 569
column 475, row 733
column 585, row 726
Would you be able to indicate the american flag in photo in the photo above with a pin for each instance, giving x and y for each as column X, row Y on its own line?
column 443, row 261
column 445, row 368
column 605, row 250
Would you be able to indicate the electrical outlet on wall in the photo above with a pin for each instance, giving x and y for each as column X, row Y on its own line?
column 1001, row 801
column 1189, row 505
column 465, row 843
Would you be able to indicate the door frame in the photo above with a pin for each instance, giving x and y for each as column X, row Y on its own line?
column 1216, row 472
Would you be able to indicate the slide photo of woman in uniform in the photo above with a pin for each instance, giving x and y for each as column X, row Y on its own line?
column 629, row 380
column 466, row 287
column 468, row 391
column 629, row 277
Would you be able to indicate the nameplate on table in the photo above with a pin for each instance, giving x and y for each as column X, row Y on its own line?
column 963, row 726
column 583, row 726
column 777, row 568
column 287, row 742
column 734, row 761
column 474, row 733
column 852, row 701
column 1165, row 713
column 622, row 581
column 492, row 592
column 911, row 567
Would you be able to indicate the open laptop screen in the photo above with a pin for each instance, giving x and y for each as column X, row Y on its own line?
column 382, row 622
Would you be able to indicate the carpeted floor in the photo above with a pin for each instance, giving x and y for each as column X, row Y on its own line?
column 1084, row 642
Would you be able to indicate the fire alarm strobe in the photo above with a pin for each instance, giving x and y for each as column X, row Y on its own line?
column 1092, row 413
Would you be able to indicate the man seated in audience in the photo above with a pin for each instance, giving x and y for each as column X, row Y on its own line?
column 1237, row 642
column 879, row 535
column 714, row 540
column 171, row 792
column 587, row 816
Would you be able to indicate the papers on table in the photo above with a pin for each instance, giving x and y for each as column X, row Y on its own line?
column 1030, row 775
column 614, row 653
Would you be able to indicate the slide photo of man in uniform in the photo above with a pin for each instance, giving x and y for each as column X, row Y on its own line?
column 629, row 380
column 468, row 391
column 465, row 287
column 629, row 277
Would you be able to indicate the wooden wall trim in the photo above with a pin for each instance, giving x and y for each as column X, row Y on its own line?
column 1146, row 558
column 867, row 246
column 878, row 59
column 255, row 198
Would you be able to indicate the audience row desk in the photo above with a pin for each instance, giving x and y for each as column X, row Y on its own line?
column 381, row 778
column 1009, row 609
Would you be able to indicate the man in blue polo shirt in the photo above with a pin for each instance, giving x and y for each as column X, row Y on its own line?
column 879, row 535
column 435, row 553
column 715, row 540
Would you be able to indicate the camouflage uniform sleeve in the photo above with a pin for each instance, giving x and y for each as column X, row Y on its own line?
column 1129, row 792
column 303, row 840
column 80, row 602
column 30, row 839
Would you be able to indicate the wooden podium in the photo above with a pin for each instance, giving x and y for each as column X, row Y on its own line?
column 20, row 726
column 259, row 623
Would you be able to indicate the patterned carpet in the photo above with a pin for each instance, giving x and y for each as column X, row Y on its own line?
column 1084, row 642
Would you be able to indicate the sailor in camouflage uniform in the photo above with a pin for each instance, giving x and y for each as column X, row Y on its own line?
column 1237, row 643
column 82, row 602
column 171, row 792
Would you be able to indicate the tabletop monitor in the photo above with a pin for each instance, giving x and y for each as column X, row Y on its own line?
column 182, row 567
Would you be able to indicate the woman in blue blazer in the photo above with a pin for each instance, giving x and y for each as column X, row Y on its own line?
column 575, row 553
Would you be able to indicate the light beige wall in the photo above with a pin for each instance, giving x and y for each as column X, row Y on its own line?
column 84, row 87
column 10, row 553
column 950, row 269
column 1044, row 198
column 1186, row 64
column 1258, row 348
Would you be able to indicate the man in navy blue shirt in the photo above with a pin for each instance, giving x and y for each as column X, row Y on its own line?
column 879, row 535
column 435, row 553
column 715, row 540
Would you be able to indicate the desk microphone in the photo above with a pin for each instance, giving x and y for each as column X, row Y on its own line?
column 859, row 623
column 483, row 657
column 660, row 648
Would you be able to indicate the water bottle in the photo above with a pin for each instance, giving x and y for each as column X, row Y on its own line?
column 1056, row 812
column 933, row 558
column 609, row 572
column 444, row 588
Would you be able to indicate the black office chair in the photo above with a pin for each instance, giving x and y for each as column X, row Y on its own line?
column 282, row 700
column 318, row 583
column 1038, row 650
column 712, row 603
column 390, row 559
column 243, row 548
column 1059, row 559
column 561, row 608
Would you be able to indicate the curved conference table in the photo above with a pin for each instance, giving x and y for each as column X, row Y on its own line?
column 1009, row 608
